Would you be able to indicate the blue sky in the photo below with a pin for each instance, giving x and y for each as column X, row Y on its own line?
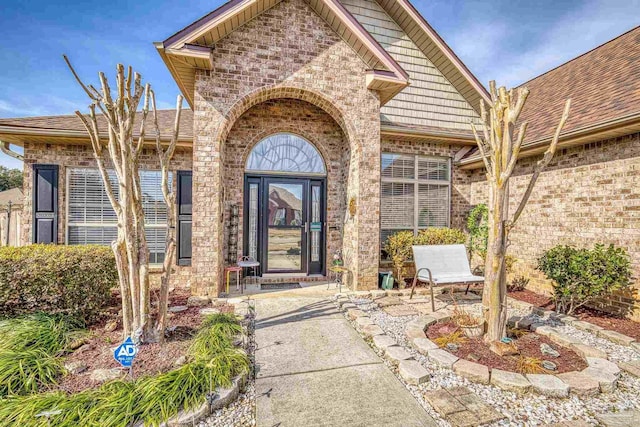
column 526, row 37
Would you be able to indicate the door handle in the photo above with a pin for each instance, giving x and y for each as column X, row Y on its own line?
column 306, row 227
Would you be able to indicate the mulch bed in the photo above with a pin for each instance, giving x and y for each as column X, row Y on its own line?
column 151, row 359
column 475, row 350
column 608, row 321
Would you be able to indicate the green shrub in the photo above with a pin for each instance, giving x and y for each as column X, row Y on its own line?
column 440, row 236
column 398, row 247
column 582, row 275
column 152, row 399
column 74, row 280
column 478, row 230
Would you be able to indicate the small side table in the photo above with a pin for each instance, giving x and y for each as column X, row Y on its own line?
column 237, row 270
column 338, row 272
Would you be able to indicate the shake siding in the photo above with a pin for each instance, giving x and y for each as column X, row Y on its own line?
column 430, row 100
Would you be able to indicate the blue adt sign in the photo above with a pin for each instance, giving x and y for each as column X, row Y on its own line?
column 125, row 353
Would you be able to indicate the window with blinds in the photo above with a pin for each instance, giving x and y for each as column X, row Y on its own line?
column 415, row 193
column 92, row 220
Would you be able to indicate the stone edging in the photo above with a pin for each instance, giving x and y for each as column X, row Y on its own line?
column 223, row 396
column 601, row 375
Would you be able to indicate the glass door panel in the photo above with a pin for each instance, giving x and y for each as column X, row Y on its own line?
column 285, row 223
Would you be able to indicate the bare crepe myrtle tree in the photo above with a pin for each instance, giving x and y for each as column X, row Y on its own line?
column 499, row 146
column 119, row 150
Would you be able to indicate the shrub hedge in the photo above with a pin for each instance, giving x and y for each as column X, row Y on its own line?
column 582, row 275
column 74, row 280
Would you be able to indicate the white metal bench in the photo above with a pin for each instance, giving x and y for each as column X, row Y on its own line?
column 440, row 265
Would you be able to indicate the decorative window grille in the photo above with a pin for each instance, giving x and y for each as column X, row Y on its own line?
column 285, row 152
column 92, row 220
column 415, row 193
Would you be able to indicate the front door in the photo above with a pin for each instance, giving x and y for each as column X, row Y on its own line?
column 285, row 223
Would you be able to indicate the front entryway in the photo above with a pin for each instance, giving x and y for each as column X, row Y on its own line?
column 285, row 218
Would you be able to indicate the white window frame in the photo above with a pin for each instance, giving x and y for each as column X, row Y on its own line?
column 68, row 223
column 416, row 181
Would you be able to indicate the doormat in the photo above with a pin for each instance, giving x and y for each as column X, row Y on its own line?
column 275, row 286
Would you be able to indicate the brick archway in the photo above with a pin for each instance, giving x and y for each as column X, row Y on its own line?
column 275, row 92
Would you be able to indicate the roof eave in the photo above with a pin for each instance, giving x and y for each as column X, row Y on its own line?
column 176, row 76
column 607, row 129
column 417, row 134
column 18, row 135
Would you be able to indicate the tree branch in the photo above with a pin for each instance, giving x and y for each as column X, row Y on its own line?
column 542, row 163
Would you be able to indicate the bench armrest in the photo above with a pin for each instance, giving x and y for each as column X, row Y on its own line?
column 421, row 269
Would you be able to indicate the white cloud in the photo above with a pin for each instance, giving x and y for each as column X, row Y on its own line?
column 491, row 53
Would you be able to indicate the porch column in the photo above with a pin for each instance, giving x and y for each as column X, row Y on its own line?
column 361, row 243
column 207, row 219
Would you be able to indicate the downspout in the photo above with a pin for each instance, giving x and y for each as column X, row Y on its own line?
column 5, row 147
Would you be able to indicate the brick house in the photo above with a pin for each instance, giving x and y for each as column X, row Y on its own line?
column 315, row 126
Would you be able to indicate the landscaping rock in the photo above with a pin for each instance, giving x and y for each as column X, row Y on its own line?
column 199, row 301
column 422, row 322
column 443, row 402
column 580, row 384
column 629, row 418
column 207, row 311
column 452, row 347
column 363, row 321
column 414, row 333
column 362, row 294
column 549, row 365
column 372, row 330
column 84, row 348
column 563, row 339
column 442, row 357
column 188, row 418
column 413, row 372
column 585, row 351
column 383, row 341
column 177, row 309
column 472, row 371
column 542, row 329
column 511, row 381
column 180, row 361
column 396, row 354
column 635, row 345
column 603, row 365
column 378, row 294
column 76, row 344
column 548, row 385
column 606, row 380
column 483, row 413
column 423, row 345
column 348, row 306
column 441, row 316
column 548, row 350
column 632, row 367
column 75, row 367
column 104, row 375
column 111, row 326
column 393, row 293
column 615, row 337
column 586, row 326
column 354, row 313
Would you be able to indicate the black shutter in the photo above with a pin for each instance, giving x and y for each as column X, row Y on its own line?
column 45, row 203
column 184, row 218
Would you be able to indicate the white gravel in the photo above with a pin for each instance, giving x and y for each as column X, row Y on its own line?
column 532, row 409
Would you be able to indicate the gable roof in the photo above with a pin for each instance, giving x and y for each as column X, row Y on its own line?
column 191, row 47
column 65, row 128
column 604, row 87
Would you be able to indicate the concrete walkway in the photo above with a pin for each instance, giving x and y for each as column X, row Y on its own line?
column 313, row 369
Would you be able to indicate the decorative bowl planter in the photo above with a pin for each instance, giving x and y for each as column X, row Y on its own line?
column 473, row 331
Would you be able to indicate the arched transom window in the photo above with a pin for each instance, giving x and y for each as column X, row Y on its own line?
column 285, row 152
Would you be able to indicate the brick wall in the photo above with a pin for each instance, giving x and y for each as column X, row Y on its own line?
column 300, row 118
column 80, row 155
column 286, row 52
column 588, row 194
